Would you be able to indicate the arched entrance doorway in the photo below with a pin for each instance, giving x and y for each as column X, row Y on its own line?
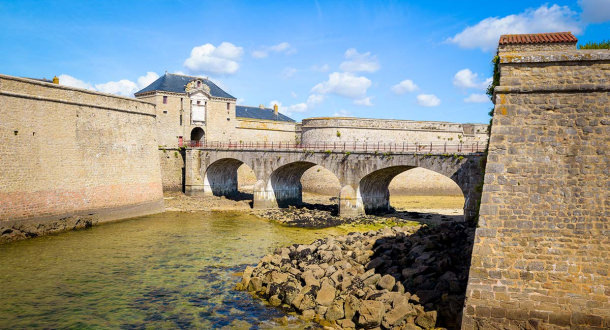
column 197, row 135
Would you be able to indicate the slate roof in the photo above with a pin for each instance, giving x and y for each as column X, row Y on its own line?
column 258, row 113
column 176, row 83
column 537, row 38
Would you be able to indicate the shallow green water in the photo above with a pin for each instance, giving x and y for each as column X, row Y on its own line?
column 172, row 270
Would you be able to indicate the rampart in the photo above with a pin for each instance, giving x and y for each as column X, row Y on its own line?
column 72, row 157
column 541, row 254
column 385, row 130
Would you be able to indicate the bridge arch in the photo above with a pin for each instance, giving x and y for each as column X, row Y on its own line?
column 220, row 177
column 284, row 187
column 374, row 192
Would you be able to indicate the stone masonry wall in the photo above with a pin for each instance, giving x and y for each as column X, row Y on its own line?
column 392, row 131
column 541, row 255
column 66, row 152
column 172, row 167
column 252, row 130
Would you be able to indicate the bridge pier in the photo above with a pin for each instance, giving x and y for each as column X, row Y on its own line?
column 263, row 198
column 350, row 202
column 193, row 182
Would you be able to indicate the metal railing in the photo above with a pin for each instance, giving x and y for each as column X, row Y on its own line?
column 334, row 146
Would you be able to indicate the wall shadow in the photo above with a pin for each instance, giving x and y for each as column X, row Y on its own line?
column 433, row 263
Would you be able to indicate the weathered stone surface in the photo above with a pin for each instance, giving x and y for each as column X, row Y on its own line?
column 371, row 313
column 386, row 282
column 539, row 254
column 326, row 294
column 72, row 158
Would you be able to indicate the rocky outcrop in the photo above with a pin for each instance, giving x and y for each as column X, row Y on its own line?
column 399, row 277
column 22, row 230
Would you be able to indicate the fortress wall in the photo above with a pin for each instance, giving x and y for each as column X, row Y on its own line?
column 390, row 131
column 67, row 151
column 253, row 130
column 541, row 253
column 172, row 166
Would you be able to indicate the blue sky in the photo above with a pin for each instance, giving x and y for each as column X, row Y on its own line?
column 418, row 60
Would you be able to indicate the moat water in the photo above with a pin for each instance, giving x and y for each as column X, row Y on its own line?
column 171, row 270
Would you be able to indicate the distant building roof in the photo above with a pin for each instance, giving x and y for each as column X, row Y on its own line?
column 537, row 38
column 176, row 83
column 260, row 113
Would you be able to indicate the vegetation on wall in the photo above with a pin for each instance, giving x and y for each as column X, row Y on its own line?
column 596, row 45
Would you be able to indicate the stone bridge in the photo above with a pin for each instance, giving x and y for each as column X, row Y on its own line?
column 364, row 175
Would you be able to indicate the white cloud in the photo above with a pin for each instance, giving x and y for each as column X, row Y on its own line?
column 293, row 94
column 320, row 68
column 216, row 60
column 428, row 100
column 288, row 72
column 344, row 84
column 486, row 33
column 357, row 62
column 122, row 87
column 147, row 79
column 595, row 11
column 342, row 113
column 282, row 47
column 68, row 80
column 468, row 79
column 477, row 98
column 404, row 86
column 314, row 99
column 364, row 102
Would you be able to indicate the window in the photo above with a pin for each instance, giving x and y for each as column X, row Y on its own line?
column 164, row 111
column 228, row 106
column 198, row 102
column 180, row 119
column 164, row 99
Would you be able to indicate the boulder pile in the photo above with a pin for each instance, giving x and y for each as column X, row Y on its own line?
column 325, row 216
column 399, row 277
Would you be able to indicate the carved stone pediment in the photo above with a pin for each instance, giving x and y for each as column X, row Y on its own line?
column 197, row 85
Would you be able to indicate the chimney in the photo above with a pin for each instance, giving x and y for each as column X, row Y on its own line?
column 275, row 109
column 261, row 106
column 56, row 80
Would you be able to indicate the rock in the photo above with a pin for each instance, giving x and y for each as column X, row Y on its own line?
column 310, row 279
column 375, row 263
column 321, row 311
column 275, row 300
column 346, row 324
column 399, row 313
column 351, row 306
column 308, row 315
column 371, row 313
column 245, row 278
column 373, row 280
column 335, row 311
column 426, row 320
column 255, row 285
column 386, row 282
column 326, row 294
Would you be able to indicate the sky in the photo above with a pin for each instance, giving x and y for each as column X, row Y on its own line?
column 414, row 60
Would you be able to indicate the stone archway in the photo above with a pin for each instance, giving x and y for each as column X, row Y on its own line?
column 197, row 134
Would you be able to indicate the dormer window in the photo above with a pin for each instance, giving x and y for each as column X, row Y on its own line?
column 198, row 83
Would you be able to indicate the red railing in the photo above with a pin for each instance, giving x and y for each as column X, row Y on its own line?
column 380, row 147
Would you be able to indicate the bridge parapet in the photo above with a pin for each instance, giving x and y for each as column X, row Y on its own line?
column 351, row 146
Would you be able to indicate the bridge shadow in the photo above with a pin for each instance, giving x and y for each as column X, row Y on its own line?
column 241, row 196
column 433, row 263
